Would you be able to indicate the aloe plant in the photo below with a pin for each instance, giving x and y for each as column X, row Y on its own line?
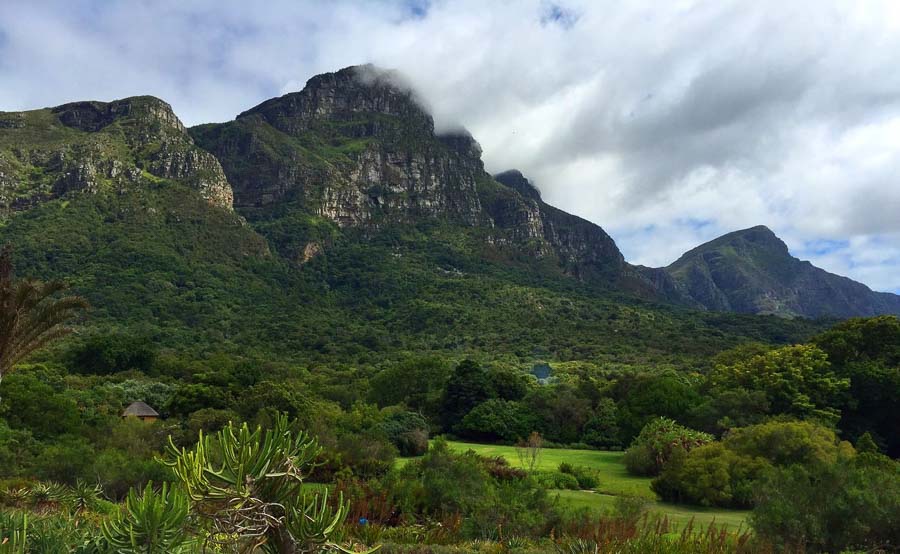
column 46, row 496
column 150, row 522
column 246, row 485
column 13, row 533
column 84, row 496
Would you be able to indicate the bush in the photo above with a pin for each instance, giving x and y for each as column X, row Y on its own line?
column 710, row 475
column 443, row 485
column 851, row 504
column 587, row 478
column 556, row 480
column 408, row 431
column 657, row 442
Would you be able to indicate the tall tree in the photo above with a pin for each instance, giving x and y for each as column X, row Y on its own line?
column 31, row 314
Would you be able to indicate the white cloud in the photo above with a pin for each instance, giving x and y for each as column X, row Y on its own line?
column 667, row 123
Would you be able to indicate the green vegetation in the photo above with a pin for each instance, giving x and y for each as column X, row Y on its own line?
column 677, row 514
column 293, row 360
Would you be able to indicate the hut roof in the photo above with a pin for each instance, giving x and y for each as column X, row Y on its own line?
column 139, row 409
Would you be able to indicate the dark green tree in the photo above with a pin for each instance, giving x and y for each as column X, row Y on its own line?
column 469, row 386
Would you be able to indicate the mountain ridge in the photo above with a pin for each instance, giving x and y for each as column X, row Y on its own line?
column 355, row 152
column 752, row 271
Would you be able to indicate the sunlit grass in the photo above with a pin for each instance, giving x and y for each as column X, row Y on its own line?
column 614, row 481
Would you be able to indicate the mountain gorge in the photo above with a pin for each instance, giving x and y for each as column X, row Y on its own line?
column 335, row 221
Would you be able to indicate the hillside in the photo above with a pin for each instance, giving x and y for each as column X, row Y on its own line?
column 356, row 234
column 751, row 271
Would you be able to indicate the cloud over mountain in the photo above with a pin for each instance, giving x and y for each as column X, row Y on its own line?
column 666, row 123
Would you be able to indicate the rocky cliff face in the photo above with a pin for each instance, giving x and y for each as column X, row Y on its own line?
column 751, row 271
column 356, row 147
column 352, row 146
column 91, row 146
column 355, row 150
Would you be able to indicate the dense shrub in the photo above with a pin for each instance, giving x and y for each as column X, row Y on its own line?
column 497, row 419
column 587, row 478
column 442, row 484
column 34, row 400
column 556, row 480
column 848, row 505
column 784, row 443
column 659, row 440
column 106, row 354
column 408, row 431
column 710, row 475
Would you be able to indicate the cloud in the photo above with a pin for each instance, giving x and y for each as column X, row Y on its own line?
column 667, row 123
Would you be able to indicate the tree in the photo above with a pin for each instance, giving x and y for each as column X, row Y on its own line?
column 602, row 430
column 468, row 387
column 643, row 396
column 867, row 351
column 797, row 380
column 558, row 412
column 529, row 450
column 785, row 443
column 416, row 382
column 850, row 505
column 31, row 315
column 497, row 419
column 658, row 441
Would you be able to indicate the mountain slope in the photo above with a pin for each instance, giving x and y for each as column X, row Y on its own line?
column 751, row 271
column 358, row 235
column 97, row 146
column 355, row 148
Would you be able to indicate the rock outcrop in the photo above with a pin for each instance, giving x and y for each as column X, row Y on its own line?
column 352, row 146
column 357, row 148
column 91, row 146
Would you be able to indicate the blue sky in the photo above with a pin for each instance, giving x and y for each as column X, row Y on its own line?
column 666, row 123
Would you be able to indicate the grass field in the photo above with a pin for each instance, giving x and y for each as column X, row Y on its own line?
column 614, row 481
column 679, row 515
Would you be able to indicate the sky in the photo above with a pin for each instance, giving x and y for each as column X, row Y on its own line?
column 667, row 123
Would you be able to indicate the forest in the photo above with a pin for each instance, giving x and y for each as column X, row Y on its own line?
column 796, row 440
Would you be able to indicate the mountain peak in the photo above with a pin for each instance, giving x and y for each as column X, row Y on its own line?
column 514, row 179
column 751, row 270
column 745, row 242
column 93, row 116
column 344, row 96
column 91, row 146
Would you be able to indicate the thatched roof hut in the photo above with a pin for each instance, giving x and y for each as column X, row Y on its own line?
column 141, row 411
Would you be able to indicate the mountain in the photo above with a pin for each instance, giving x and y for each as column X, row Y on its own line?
column 751, row 271
column 356, row 148
column 332, row 225
column 93, row 146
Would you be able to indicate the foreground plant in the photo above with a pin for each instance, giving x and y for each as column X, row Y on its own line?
column 13, row 533
column 31, row 315
column 150, row 522
column 246, row 487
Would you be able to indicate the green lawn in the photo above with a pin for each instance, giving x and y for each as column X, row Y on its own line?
column 614, row 478
column 614, row 481
column 680, row 515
